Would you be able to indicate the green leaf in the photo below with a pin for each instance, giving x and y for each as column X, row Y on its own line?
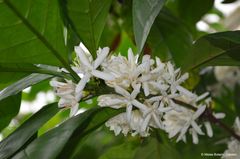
column 214, row 49
column 9, row 108
column 126, row 150
column 32, row 32
column 169, row 37
column 18, row 138
column 192, row 11
column 144, row 14
column 52, row 143
column 87, row 18
column 22, row 84
column 153, row 149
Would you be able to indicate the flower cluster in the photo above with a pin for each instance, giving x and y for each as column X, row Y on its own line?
column 151, row 92
column 233, row 151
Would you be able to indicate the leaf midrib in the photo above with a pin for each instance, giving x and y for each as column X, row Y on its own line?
column 41, row 38
column 213, row 57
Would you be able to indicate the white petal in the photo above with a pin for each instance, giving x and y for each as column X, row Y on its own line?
column 102, row 75
column 74, row 110
column 208, row 128
column 197, row 128
column 219, row 115
column 194, row 137
column 185, row 91
column 136, row 90
column 55, row 83
column 62, row 103
column 146, row 89
column 204, row 95
column 129, row 112
column 139, row 105
column 183, row 78
column 170, row 69
column 131, row 57
column 122, row 91
column 156, row 98
column 101, row 56
column 199, row 112
column 174, row 132
column 145, row 122
column 157, row 121
column 82, row 56
column 183, row 131
column 82, row 83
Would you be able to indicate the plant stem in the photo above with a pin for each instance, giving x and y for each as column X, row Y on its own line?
column 210, row 117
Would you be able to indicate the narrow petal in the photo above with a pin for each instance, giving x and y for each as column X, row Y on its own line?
column 131, row 57
column 157, row 121
column 183, row 78
column 135, row 91
column 194, row 137
column 139, row 105
column 145, row 122
column 101, row 56
column 129, row 112
column 82, row 83
column 201, row 97
column 199, row 112
column 185, row 91
column 146, row 89
column 103, row 75
column 197, row 128
column 170, row 69
column 208, row 128
column 122, row 91
column 82, row 56
column 183, row 131
column 219, row 115
column 74, row 110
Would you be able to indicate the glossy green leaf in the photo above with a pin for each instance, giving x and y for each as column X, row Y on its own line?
column 192, row 11
column 169, row 37
column 22, row 84
column 31, row 32
column 87, row 18
column 52, row 143
column 214, row 49
column 126, row 150
column 9, row 108
column 144, row 14
column 153, row 149
column 18, row 138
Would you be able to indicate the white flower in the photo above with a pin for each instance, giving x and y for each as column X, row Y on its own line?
column 179, row 122
column 67, row 94
column 124, row 99
column 124, row 70
column 227, row 75
column 146, row 76
column 88, row 67
column 152, row 116
column 174, row 79
column 120, row 123
column 166, row 102
column 233, row 151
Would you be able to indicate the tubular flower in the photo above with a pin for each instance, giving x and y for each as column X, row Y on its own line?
column 66, row 92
